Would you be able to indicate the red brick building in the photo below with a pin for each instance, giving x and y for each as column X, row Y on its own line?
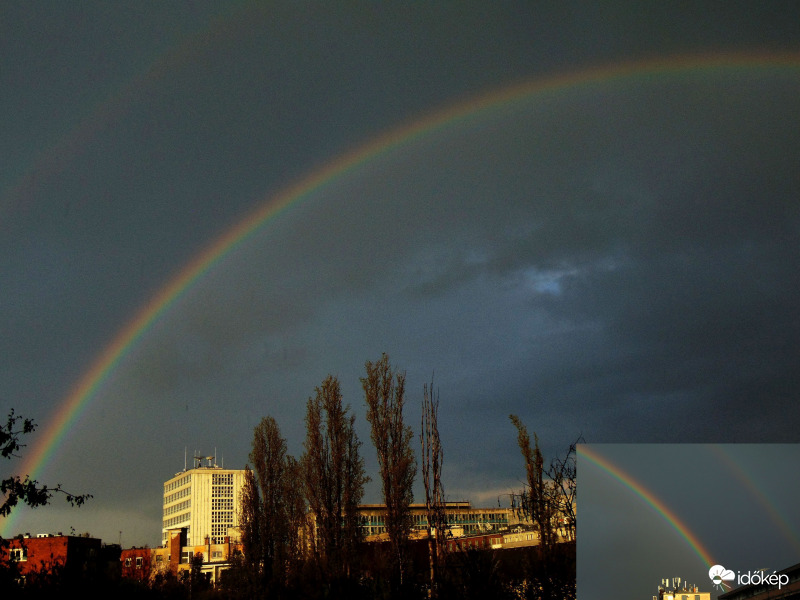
column 136, row 563
column 45, row 554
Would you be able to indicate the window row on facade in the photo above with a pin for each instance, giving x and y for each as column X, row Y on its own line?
column 176, row 483
column 171, row 510
column 178, row 495
column 176, row 520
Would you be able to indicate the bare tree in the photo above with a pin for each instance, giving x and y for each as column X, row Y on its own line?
column 538, row 501
column 296, row 512
column 432, row 460
column 333, row 474
column 563, row 475
column 384, row 393
column 269, row 464
column 250, row 521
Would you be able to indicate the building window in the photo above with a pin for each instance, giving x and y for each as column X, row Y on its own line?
column 127, row 562
column 19, row 554
column 138, row 562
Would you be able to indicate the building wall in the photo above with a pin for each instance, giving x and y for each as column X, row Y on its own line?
column 205, row 501
column 136, row 563
column 461, row 517
column 146, row 563
column 34, row 554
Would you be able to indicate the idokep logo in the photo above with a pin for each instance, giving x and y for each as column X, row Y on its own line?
column 719, row 575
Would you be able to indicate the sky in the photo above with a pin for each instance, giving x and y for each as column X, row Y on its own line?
column 586, row 215
column 668, row 510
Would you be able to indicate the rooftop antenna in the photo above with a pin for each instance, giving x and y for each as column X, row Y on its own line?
column 184, row 458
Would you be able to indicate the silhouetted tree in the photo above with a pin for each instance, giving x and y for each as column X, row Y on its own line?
column 563, row 475
column 432, row 460
column 334, row 478
column 248, row 568
column 268, row 457
column 272, row 509
column 384, row 393
column 296, row 509
column 17, row 489
column 538, row 501
column 550, row 570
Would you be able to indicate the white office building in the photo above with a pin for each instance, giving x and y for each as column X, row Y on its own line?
column 205, row 501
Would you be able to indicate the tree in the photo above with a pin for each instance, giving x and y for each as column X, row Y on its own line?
column 269, row 465
column 563, row 474
column 550, row 493
column 272, row 507
column 296, row 512
column 384, row 393
column 250, row 527
column 432, row 460
column 333, row 475
column 538, row 500
column 26, row 490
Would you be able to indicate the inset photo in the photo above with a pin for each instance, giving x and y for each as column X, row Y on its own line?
column 688, row 521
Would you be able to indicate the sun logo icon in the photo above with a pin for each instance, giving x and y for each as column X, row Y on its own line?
column 719, row 575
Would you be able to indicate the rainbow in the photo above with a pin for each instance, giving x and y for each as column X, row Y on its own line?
column 724, row 453
column 590, row 454
column 80, row 396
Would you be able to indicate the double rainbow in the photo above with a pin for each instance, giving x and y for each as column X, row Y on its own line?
column 75, row 404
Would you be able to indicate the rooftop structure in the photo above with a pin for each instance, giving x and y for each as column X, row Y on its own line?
column 679, row 591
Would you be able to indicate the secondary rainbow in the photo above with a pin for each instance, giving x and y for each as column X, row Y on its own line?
column 79, row 398
column 586, row 452
column 725, row 453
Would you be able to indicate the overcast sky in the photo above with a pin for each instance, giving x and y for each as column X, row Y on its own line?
column 738, row 500
column 615, row 259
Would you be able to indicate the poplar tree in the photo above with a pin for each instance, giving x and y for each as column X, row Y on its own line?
column 271, row 510
column 268, row 457
column 538, row 502
column 432, row 460
column 250, row 521
column 384, row 393
column 334, row 478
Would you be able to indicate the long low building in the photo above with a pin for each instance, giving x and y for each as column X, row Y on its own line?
column 462, row 519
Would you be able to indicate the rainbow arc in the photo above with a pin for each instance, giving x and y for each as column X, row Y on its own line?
column 75, row 404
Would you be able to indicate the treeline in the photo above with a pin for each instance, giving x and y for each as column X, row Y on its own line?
column 301, row 530
column 290, row 551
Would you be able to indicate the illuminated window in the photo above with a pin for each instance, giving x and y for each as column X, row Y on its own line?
column 19, row 554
